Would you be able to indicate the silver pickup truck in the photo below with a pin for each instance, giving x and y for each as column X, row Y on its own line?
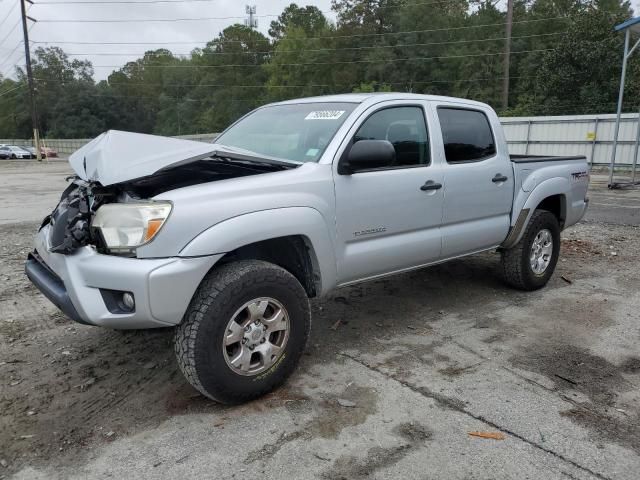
column 227, row 241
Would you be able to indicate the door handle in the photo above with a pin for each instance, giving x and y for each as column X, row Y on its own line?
column 499, row 178
column 430, row 185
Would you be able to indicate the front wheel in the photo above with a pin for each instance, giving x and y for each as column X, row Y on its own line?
column 529, row 264
column 244, row 331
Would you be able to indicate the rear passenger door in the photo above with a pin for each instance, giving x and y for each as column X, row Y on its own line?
column 478, row 179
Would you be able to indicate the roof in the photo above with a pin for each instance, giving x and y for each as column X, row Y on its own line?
column 633, row 24
column 375, row 97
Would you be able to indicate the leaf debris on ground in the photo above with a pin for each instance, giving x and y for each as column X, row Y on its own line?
column 489, row 435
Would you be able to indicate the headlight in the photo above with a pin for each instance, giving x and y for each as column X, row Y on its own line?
column 125, row 226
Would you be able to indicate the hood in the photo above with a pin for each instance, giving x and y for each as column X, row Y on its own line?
column 116, row 156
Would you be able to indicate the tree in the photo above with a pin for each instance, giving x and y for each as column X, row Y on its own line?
column 309, row 18
column 582, row 75
column 232, row 79
column 15, row 119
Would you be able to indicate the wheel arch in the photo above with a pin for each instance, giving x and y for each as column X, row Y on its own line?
column 550, row 195
column 295, row 238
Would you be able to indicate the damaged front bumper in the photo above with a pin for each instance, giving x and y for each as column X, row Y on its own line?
column 80, row 284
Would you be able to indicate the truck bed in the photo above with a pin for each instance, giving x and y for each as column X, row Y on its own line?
column 543, row 158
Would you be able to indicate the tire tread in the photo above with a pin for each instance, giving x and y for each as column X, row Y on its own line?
column 513, row 267
column 214, row 289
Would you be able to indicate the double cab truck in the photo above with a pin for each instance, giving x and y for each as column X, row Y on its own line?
column 227, row 241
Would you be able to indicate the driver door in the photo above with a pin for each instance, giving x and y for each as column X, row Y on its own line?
column 387, row 221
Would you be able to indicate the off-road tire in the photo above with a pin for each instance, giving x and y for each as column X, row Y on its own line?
column 516, row 268
column 198, row 339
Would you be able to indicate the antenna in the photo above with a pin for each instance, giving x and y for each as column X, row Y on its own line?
column 251, row 11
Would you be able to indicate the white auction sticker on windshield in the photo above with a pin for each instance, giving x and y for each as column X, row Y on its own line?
column 324, row 115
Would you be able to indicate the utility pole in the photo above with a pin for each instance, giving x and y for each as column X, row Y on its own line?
column 251, row 11
column 507, row 56
column 32, row 93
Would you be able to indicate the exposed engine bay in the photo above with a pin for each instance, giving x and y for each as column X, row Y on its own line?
column 71, row 219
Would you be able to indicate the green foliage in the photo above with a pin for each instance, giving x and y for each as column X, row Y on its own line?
column 371, row 87
column 309, row 18
column 565, row 59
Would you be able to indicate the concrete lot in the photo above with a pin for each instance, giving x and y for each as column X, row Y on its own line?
column 426, row 357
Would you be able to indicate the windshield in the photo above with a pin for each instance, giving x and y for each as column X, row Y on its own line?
column 298, row 132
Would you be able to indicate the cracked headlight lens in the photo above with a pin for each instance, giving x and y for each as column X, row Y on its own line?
column 125, row 226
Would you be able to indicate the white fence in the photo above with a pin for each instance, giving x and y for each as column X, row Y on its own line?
column 588, row 135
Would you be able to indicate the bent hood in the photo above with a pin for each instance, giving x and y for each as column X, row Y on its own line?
column 116, row 156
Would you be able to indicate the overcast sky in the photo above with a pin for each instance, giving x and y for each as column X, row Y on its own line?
column 196, row 33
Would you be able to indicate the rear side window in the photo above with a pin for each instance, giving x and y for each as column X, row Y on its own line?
column 467, row 135
column 405, row 128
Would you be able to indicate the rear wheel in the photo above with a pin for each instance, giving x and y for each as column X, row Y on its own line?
column 529, row 264
column 244, row 331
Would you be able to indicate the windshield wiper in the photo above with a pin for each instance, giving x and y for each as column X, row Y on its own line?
column 223, row 157
column 252, row 157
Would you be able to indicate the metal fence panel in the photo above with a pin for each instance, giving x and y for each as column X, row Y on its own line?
column 589, row 135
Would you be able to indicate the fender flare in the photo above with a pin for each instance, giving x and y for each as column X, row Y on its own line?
column 545, row 189
column 253, row 227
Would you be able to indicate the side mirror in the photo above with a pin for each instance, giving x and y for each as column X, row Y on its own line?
column 366, row 155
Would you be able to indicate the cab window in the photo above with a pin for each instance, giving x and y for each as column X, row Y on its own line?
column 404, row 128
column 466, row 134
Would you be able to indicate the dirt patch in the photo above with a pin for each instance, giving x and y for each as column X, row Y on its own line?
column 573, row 368
column 402, row 353
column 631, row 365
column 334, row 414
column 624, row 431
column 412, row 435
column 87, row 385
column 455, row 371
column 270, row 449
column 334, row 417
column 576, row 246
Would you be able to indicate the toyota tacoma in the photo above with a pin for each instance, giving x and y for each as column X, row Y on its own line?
column 227, row 241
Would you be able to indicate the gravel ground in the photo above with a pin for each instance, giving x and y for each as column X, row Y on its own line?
column 398, row 373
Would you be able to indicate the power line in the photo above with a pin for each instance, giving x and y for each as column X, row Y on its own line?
column 8, row 14
column 393, row 60
column 400, row 45
column 115, row 2
column 260, row 86
column 143, row 20
column 268, row 15
column 324, row 12
column 321, row 37
column 10, row 32
column 9, row 63
column 8, row 57
column 2, row 94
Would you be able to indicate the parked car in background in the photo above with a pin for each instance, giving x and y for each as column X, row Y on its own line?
column 49, row 152
column 45, row 152
column 13, row 151
column 227, row 241
column 32, row 151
